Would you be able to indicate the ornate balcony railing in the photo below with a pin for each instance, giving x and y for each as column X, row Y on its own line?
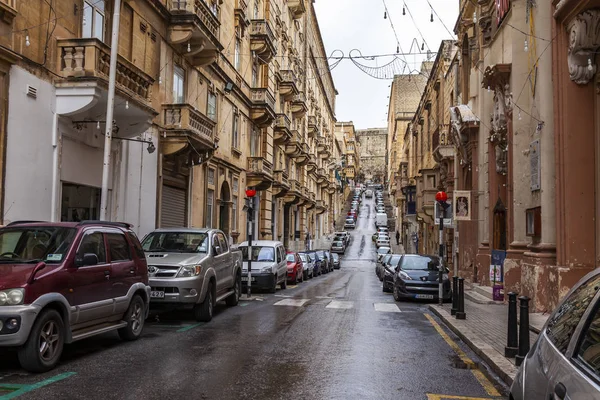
column 209, row 17
column 185, row 117
column 259, row 165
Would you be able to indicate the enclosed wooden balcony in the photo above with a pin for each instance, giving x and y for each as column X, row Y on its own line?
column 297, row 8
column 262, row 111
column 82, row 60
column 282, row 132
column 186, row 130
column 313, row 127
column 287, row 84
column 262, row 40
column 281, row 184
column 298, row 105
column 194, row 30
column 259, row 173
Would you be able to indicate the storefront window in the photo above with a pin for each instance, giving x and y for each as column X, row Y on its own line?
column 79, row 203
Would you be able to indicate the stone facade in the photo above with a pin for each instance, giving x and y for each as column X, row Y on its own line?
column 373, row 153
column 231, row 95
column 346, row 134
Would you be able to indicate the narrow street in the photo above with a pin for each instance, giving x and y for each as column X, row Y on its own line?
column 337, row 336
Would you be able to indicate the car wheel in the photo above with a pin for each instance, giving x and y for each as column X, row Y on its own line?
column 273, row 287
column 304, row 276
column 396, row 295
column 203, row 312
column 44, row 346
column 234, row 299
column 284, row 284
column 134, row 317
column 385, row 289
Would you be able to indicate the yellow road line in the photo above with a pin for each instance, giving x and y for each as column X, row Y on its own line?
column 483, row 380
column 452, row 397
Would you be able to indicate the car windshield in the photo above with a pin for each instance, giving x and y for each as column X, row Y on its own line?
column 259, row 253
column 394, row 260
column 338, row 244
column 420, row 263
column 383, row 250
column 49, row 244
column 290, row 258
column 314, row 256
column 176, row 242
column 336, row 257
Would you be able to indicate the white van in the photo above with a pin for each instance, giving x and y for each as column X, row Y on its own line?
column 369, row 194
column 381, row 219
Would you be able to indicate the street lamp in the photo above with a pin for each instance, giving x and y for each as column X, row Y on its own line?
column 441, row 197
column 250, row 193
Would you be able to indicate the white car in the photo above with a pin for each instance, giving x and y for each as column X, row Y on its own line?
column 383, row 241
column 350, row 224
column 382, row 251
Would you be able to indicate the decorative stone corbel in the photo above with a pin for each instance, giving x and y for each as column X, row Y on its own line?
column 584, row 41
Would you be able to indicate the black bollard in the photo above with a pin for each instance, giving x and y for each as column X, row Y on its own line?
column 460, row 313
column 512, row 341
column 523, row 330
column 454, row 295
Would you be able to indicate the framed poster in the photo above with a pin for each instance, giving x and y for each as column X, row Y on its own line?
column 462, row 205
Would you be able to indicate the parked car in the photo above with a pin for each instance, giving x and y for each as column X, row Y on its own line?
column 564, row 362
column 63, row 282
column 387, row 276
column 308, row 264
column 269, row 265
column 344, row 235
column 385, row 261
column 336, row 261
column 381, row 219
column 383, row 229
column 326, row 258
column 416, row 277
column 383, row 241
column 295, row 269
column 192, row 267
column 350, row 223
column 338, row 246
column 369, row 194
column 382, row 251
column 319, row 262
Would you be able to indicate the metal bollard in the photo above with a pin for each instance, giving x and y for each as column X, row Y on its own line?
column 512, row 341
column 523, row 330
column 454, row 295
column 460, row 313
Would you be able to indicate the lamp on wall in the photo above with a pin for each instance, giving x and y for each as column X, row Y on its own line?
column 228, row 87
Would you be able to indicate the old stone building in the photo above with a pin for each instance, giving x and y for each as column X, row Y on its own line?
column 231, row 94
column 373, row 153
column 346, row 133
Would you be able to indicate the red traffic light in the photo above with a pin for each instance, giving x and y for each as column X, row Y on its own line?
column 250, row 192
column 441, row 197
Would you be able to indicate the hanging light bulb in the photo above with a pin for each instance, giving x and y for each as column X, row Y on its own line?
column 127, row 104
column 98, row 125
column 160, row 80
column 489, row 89
column 397, row 48
column 164, row 134
column 519, row 115
column 403, row 9
column 422, row 46
column 192, row 162
column 590, row 66
column 27, row 42
column 385, row 15
column 189, row 49
column 431, row 17
column 84, row 21
column 475, row 17
column 526, row 46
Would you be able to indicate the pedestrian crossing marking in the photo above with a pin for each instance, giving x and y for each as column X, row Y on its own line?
column 386, row 307
column 344, row 305
column 292, row 302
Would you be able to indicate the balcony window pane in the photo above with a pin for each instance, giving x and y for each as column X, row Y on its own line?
column 237, row 59
column 211, row 106
column 87, row 21
column 98, row 26
column 178, row 85
column 209, row 208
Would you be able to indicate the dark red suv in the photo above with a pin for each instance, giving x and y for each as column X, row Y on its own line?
column 62, row 282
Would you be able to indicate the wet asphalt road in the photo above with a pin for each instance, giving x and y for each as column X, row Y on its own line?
column 340, row 337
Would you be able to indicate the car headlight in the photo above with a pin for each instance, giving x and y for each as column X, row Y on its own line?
column 405, row 276
column 266, row 269
column 189, row 271
column 444, row 278
column 12, row 297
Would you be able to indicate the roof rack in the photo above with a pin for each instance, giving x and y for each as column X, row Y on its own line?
column 111, row 223
column 23, row 222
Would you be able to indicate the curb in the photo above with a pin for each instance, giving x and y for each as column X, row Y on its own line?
column 497, row 362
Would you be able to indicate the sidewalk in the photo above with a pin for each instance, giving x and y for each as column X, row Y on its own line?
column 485, row 331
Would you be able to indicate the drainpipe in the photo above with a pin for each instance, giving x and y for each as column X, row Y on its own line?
column 54, row 215
column 110, row 109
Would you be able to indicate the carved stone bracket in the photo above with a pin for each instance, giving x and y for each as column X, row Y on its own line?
column 584, row 41
column 462, row 119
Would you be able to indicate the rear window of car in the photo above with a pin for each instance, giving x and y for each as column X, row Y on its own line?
column 290, row 258
column 565, row 319
column 338, row 244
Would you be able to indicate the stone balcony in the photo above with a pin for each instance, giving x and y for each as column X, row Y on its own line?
column 187, row 131
column 297, row 8
column 259, row 173
column 299, row 106
column 321, row 206
column 281, row 184
column 194, row 26
column 293, row 148
column 8, row 10
column 262, row 40
column 81, row 60
column 262, row 111
column 321, row 145
column 287, row 84
column 282, row 133
column 311, row 165
column 313, row 127
column 332, row 187
column 294, row 195
column 321, row 175
column 304, row 156
column 442, row 148
column 241, row 13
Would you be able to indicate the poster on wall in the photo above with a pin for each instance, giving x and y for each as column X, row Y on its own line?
column 462, row 205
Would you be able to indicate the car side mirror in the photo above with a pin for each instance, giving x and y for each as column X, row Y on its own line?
column 87, row 260
column 216, row 250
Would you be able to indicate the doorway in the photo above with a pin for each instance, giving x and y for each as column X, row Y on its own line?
column 79, row 203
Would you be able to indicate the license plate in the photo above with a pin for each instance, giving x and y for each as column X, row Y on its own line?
column 155, row 294
column 245, row 279
column 424, row 296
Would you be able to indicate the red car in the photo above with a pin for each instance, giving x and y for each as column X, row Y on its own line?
column 295, row 268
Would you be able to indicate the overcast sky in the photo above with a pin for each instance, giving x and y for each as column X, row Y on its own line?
column 359, row 24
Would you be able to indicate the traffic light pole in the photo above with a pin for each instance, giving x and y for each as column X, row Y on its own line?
column 441, row 265
column 250, row 233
